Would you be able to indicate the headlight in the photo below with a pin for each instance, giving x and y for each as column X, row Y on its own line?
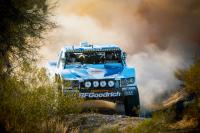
column 111, row 83
column 96, row 84
column 103, row 83
column 127, row 81
column 88, row 84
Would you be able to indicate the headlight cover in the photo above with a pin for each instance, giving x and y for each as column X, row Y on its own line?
column 111, row 83
column 96, row 84
column 127, row 81
column 88, row 84
column 102, row 83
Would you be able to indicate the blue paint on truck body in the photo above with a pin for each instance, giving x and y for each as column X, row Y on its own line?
column 75, row 72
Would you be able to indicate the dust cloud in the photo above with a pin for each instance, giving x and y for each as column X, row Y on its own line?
column 159, row 36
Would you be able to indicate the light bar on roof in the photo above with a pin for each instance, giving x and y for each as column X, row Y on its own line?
column 92, row 50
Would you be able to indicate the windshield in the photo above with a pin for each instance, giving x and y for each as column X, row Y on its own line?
column 96, row 57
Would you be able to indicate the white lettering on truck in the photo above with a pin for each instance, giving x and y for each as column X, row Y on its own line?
column 95, row 95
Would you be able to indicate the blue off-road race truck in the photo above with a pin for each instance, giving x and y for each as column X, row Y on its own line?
column 97, row 72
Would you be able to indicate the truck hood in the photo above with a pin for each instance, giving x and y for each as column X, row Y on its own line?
column 96, row 71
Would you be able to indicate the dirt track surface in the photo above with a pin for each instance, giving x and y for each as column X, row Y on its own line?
column 95, row 122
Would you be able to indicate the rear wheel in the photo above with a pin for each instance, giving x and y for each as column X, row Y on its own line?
column 132, row 105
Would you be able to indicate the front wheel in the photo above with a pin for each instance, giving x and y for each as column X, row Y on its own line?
column 132, row 105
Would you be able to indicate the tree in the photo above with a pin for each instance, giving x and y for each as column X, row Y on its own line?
column 22, row 24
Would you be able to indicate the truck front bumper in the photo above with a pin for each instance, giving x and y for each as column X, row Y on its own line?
column 103, row 93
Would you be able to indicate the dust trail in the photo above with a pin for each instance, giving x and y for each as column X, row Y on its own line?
column 104, row 106
column 159, row 36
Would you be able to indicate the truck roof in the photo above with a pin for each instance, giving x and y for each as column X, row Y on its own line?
column 84, row 46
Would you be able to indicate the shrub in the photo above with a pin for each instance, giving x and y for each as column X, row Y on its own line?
column 30, row 104
column 154, row 125
column 190, row 78
column 191, row 82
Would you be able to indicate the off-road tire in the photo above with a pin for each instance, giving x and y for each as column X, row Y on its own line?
column 132, row 105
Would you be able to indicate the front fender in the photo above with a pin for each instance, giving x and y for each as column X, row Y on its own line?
column 128, row 72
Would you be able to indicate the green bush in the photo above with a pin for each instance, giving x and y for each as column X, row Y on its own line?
column 28, row 103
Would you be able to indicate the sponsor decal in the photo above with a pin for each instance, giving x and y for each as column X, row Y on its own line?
column 129, row 90
column 101, row 90
column 96, row 71
column 97, row 95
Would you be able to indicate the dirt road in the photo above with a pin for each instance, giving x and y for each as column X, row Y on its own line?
column 107, row 115
column 96, row 122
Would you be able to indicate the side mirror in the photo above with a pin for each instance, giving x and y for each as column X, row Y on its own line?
column 124, row 55
column 62, row 59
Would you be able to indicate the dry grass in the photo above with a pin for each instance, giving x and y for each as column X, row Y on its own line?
column 184, row 124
